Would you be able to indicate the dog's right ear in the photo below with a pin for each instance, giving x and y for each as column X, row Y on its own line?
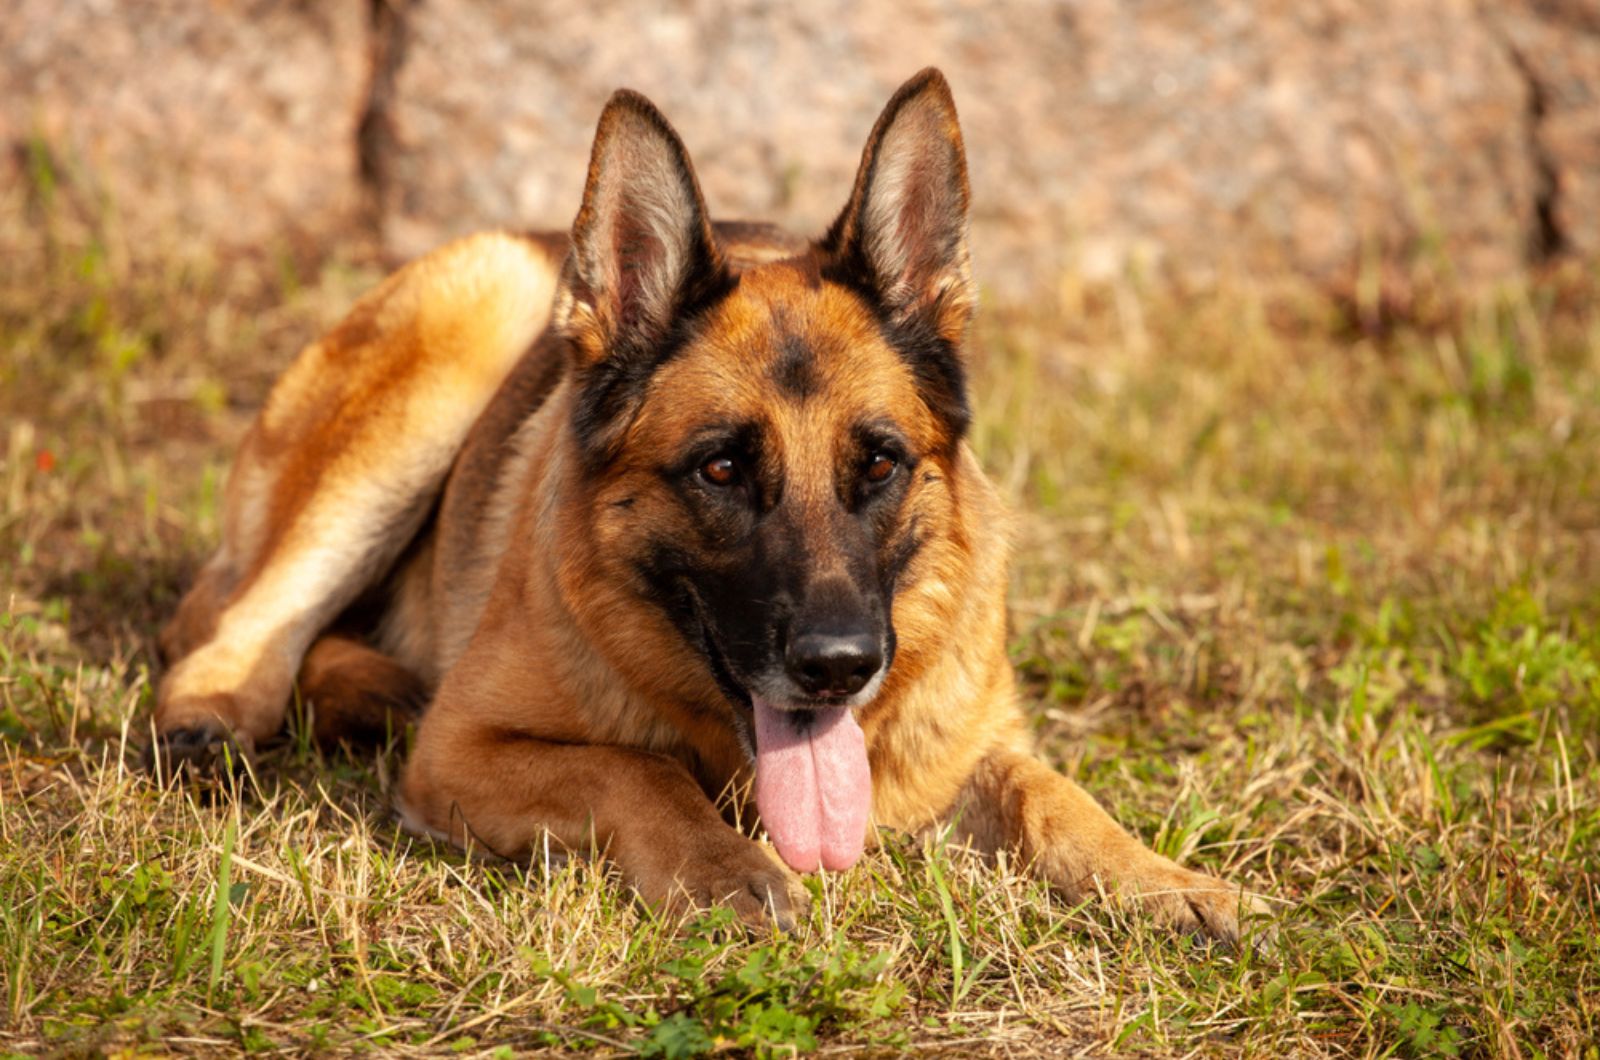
column 643, row 259
column 642, row 249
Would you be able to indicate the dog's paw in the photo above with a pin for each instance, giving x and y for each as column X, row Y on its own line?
column 737, row 873
column 201, row 749
column 1195, row 903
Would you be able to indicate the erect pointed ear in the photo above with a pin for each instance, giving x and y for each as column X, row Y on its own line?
column 643, row 254
column 903, row 235
column 643, row 260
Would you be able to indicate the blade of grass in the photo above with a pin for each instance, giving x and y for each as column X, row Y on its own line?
column 223, row 912
column 957, row 956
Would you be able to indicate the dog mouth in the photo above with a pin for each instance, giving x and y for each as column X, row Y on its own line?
column 774, row 689
column 813, row 782
column 742, row 693
column 721, row 669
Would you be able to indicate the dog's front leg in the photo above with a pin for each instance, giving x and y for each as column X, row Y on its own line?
column 642, row 810
column 1015, row 802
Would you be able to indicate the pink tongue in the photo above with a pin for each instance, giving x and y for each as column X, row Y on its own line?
column 813, row 786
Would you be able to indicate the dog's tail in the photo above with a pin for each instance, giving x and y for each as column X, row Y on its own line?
column 355, row 693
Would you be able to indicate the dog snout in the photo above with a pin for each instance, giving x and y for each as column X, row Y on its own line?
column 833, row 664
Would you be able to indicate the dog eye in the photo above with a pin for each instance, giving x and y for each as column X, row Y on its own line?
column 879, row 467
column 720, row 471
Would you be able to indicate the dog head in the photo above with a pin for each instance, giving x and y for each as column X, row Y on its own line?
column 770, row 451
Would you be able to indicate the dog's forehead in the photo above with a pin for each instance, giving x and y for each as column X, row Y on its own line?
column 789, row 350
column 785, row 321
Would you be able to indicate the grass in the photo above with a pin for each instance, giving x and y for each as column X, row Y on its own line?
column 1312, row 604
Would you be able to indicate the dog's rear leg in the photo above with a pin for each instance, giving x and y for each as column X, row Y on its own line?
column 235, row 687
column 196, row 619
column 337, row 475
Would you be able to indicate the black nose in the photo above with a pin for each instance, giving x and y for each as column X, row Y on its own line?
column 827, row 664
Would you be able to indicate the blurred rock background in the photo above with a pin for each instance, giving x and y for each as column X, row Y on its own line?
column 1196, row 140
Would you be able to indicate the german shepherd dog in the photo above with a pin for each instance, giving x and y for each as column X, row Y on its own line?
column 656, row 511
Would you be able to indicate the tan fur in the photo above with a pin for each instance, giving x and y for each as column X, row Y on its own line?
column 564, row 706
column 322, row 497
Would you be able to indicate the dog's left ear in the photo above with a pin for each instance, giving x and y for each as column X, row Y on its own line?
column 902, row 238
column 905, row 227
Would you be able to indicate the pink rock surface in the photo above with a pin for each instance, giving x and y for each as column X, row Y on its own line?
column 230, row 123
column 1201, row 138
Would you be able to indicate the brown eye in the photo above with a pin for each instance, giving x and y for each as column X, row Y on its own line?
column 719, row 471
column 880, row 467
